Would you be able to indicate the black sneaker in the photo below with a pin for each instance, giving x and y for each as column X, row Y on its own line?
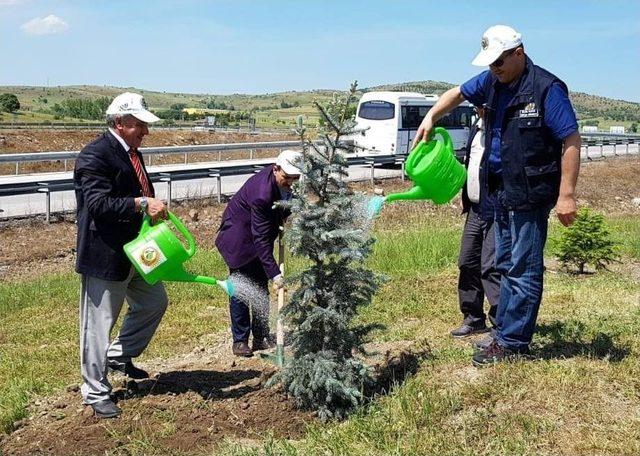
column 466, row 329
column 496, row 353
column 128, row 369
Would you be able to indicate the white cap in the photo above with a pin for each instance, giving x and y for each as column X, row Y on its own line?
column 495, row 41
column 133, row 104
column 290, row 161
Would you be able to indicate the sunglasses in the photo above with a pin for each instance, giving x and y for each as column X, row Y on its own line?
column 498, row 63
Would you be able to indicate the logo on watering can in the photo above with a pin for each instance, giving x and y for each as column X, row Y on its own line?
column 148, row 256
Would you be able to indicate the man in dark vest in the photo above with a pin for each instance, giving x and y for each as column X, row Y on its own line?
column 531, row 164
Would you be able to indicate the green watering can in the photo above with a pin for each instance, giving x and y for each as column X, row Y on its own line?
column 158, row 254
column 435, row 171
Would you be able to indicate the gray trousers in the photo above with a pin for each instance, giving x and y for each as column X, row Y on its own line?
column 478, row 274
column 100, row 305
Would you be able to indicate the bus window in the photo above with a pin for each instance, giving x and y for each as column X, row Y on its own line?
column 413, row 115
column 377, row 110
column 465, row 116
column 459, row 117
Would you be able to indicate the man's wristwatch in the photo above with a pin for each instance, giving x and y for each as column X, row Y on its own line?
column 143, row 205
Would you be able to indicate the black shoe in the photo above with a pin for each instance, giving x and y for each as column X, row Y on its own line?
column 466, row 330
column 129, row 370
column 106, row 409
column 484, row 342
column 264, row 343
column 496, row 353
column 242, row 349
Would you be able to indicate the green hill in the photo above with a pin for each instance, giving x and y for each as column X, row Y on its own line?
column 282, row 107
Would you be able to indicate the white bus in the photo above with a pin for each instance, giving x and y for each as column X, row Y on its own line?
column 391, row 120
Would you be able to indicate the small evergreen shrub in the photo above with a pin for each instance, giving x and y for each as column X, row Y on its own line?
column 586, row 242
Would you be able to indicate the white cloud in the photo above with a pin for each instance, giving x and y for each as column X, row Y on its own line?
column 45, row 25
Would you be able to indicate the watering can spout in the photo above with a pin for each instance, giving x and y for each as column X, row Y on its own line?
column 416, row 193
column 180, row 275
column 226, row 285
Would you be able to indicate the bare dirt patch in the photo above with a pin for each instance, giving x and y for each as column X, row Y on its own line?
column 610, row 185
column 192, row 403
column 187, row 408
column 16, row 141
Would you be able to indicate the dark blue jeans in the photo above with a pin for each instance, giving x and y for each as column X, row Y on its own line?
column 520, row 239
column 242, row 323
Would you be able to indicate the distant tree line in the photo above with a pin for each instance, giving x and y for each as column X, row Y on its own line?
column 213, row 104
column 176, row 112
column 610, row 109
column 81, row 108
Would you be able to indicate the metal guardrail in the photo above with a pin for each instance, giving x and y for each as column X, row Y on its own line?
column 602, row 134
column 72, row 155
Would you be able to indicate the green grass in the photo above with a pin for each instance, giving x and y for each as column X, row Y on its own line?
column 39, row 347
column 580, row 397
column 626, row 232
column 604, row 123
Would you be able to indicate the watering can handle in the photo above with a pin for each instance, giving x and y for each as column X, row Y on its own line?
column 185, row 232
column 146, row 224
column 445, row 136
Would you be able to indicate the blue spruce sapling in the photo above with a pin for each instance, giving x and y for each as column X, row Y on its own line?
column 328, row 229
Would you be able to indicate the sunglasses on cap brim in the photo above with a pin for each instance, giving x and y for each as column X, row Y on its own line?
column 500, row 61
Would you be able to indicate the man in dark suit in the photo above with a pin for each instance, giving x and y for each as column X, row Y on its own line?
column 113, row 190
column 250, row 225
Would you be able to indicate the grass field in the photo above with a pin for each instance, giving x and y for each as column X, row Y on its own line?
column 581, row 396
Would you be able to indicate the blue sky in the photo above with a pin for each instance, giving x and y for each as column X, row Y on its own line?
column 261, row 46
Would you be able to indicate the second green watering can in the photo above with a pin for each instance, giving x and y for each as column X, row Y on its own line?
column 158, row 254
column 435, row 171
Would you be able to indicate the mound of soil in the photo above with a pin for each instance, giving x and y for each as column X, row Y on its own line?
column 194, row 403
column 181, row 409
